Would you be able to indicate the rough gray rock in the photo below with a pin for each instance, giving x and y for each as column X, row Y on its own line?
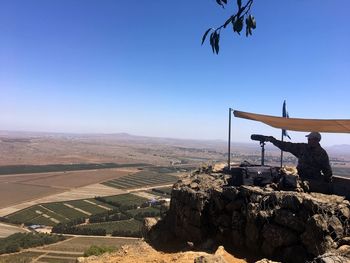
column 287, row 218
column 331, row 258
column 147, row 224
column 344, row 241
column 294, row 254
column 276, row 237
column 281, row 224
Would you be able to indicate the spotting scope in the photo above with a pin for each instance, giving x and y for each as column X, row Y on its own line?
column 259, row 137
column 262, row 139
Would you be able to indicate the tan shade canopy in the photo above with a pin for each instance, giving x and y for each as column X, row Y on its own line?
column 296, row 124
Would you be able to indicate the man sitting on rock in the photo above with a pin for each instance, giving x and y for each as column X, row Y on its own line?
column 313, row 162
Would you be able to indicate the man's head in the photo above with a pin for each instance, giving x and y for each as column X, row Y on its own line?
column 313, row 138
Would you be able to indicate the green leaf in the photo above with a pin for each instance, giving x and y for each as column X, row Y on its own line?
column 217, row 39
column 238, row 26
column 212, row 41
column 228, row 21
column 250, row 31
column 205, row 35
column 247, row 22
column 252, row 21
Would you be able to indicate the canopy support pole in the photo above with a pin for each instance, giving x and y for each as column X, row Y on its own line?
column 229, row 139
column 282, row 137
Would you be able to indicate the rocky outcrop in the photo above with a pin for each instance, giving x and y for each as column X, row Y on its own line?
column 283, row 225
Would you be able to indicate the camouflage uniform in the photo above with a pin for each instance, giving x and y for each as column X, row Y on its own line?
column 311, row 160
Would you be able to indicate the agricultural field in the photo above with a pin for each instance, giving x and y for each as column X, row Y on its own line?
column 36, row 215
column 142, row 179
column 85, row 192
column 72, row 179
column 7, row 230
column 24, row 257
column 171, row 169
column 134, row 226
column 118, row 215
column 126, row 200
column 17, row 189
column 14, row 193
column 21, row 169
column 66, row 251
column 91, row 206
column 143, row 212
column 64, row 210
column 51, row 214
column 161, row 191
column 80, row 244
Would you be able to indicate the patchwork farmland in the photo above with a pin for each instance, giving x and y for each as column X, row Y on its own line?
column 79, row 244
column 142, row 179
column 73, row 182
column 111, row 227
column 17, row 189
column 51, row 214
column 126, row 200
column 116, row 214
column 161, row 191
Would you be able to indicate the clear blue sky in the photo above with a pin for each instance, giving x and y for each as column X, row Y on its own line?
column 113, row 66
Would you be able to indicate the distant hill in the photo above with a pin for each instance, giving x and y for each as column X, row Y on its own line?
column 340, row 149
column 221, row 145
column 113, row 137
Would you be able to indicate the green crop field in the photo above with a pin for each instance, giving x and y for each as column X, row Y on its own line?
column 141, row 179
column 124, row 225
column 80, row 244
column 88, row 207
column 25, row 215
column 35, row 215
column 162, row 191
column 170, row 169
column 102, row 203
column 143, row 212
column 125, row 200
column 20, row 169
column 50, row 214
column 43, row 221
column 63, row 210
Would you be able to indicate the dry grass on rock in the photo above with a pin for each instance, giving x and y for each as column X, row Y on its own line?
column 142, row 252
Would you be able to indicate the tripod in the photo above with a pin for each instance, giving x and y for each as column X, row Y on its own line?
column 262, row 139
column 262, row 144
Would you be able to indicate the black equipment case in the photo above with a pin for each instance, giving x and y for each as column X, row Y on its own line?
column 253, row 175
